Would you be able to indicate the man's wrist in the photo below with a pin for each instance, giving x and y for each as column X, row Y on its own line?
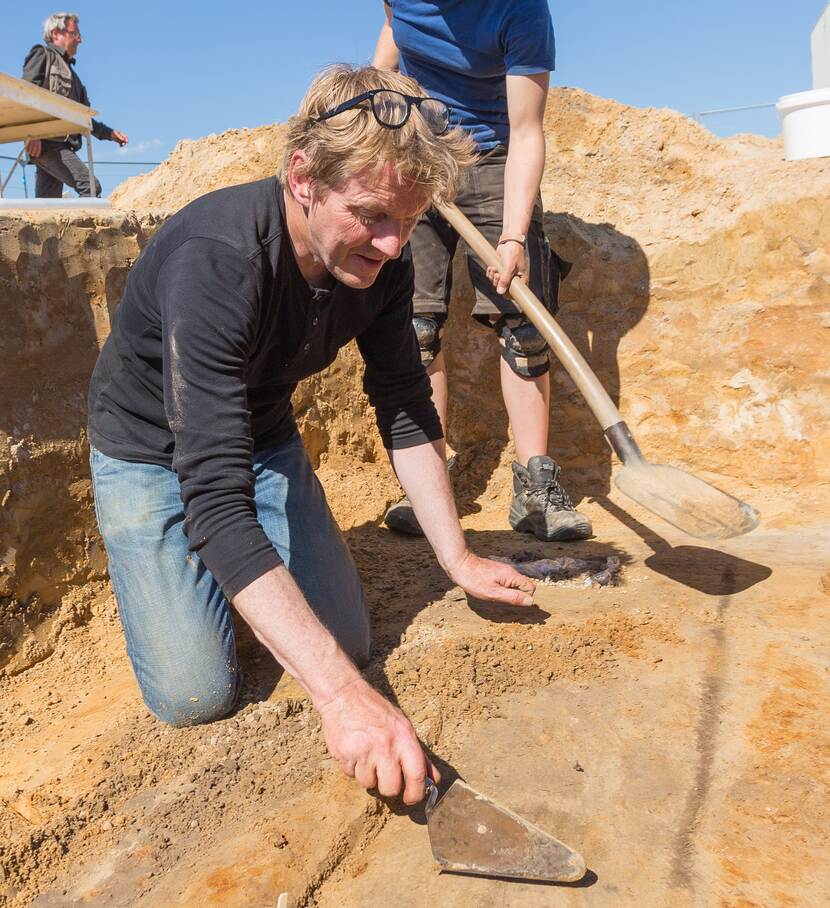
column 329, row 692
column 452, row 564
column 519, row 238
column 334, row 674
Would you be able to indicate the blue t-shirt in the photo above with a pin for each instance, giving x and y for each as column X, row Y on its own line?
column 461, row 51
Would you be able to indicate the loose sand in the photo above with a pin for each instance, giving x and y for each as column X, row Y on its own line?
column 672, row 726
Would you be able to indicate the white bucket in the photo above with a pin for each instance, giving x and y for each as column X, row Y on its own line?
column 805, row 120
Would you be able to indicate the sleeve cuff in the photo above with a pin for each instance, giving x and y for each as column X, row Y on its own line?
column 417, row 425
column 233, row 572
column 528, row 70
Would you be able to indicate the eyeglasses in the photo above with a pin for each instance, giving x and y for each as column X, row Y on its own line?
column 392, row 108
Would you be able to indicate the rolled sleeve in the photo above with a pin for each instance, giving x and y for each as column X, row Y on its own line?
column 101, row 130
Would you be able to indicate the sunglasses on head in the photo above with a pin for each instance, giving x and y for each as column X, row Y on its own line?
column 392, row 108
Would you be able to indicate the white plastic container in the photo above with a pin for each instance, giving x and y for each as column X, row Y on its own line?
column 805, row 120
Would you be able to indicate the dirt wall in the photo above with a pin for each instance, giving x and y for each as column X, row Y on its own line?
column 699, row 290
column 670, row 727
column 699, row 294
column 59, row 279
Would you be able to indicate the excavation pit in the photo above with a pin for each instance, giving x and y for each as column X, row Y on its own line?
column 670, row 726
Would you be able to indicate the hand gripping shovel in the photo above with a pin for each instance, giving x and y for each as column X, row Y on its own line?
column 681, row 499
column 471, row 834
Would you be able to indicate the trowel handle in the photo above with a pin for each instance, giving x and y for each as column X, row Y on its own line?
column 608, row 416
column 432, row 795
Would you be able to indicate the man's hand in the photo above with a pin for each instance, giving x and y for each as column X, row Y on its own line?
column 370, row 738
column 422, row 472
column 33, row 148
column 493, row 580
column 512, row 257
column 375, row 743
column 119, row 137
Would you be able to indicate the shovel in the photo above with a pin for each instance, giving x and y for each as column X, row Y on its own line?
column 472, row 834
column 681, row 499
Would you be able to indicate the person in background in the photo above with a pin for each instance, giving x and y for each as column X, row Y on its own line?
column 490, row 61
column 51, row 65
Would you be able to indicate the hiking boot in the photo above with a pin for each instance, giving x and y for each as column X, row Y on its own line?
column 401, row 516
column 541, row 506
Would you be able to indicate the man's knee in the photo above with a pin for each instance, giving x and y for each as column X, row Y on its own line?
column 351, row 629
column 82, row 187
column 359, row 647
column 523, row 347
column 193, row 704
column 428, row 330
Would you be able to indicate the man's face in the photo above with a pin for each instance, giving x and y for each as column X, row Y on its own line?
column 68, row 39
column 354, row 229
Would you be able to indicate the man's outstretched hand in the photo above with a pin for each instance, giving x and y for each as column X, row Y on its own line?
column 375, row 743
column 119, row 137
column 493, row 580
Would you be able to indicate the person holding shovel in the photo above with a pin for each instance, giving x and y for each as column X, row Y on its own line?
column 490, row 62
column 204, row 493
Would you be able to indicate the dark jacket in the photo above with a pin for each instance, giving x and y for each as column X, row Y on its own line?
column 49, row 67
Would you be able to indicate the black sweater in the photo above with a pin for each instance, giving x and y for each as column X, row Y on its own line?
column 215, row 328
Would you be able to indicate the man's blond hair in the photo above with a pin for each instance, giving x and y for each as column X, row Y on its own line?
column 353, row 141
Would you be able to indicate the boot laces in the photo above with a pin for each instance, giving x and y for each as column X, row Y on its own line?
column 552, row 495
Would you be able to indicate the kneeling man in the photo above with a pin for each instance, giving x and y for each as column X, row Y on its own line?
column 203, row 490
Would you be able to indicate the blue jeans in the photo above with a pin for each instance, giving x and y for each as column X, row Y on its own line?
column 177, row 622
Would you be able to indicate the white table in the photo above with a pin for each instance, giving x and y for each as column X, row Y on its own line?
column 30, row 112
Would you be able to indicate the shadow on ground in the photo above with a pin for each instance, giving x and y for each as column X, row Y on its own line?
column 401, row 577
column 604, row 296
column 706, row 570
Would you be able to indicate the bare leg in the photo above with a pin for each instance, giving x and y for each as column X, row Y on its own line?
column 437, row 372
column 528, row 404
column 540, row 505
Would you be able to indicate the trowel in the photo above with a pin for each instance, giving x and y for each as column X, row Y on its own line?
column 681, row 499
column 469, row 833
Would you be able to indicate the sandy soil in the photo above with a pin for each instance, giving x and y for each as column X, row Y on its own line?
column 671, row 727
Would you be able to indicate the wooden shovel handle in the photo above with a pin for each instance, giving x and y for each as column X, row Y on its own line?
column 596, row 396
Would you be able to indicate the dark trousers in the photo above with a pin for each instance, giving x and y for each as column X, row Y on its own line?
column 60, row 166
column 434, row 243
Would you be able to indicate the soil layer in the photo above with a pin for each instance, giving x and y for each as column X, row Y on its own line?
column 672, row 727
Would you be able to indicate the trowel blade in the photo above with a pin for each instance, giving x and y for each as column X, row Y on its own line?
column 685, row 501
column 472, row 834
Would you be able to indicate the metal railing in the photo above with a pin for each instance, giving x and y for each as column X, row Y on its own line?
column 23, row 164
column 700, row 115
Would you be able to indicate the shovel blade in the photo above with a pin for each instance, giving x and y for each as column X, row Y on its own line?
column 472, row 834
column 685, row 501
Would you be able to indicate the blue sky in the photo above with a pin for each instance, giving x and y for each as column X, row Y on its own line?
column 182, row 69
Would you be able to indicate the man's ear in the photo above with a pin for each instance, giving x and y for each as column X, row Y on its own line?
column 299, row 181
